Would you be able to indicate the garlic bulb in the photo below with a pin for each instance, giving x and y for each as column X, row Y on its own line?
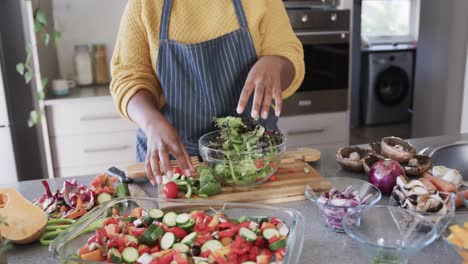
column 447, row 174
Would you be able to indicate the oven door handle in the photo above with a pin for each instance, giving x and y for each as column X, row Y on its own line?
column 321, row 33
column 306, row 131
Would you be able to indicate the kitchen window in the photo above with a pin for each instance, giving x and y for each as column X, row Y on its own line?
column 390, row 21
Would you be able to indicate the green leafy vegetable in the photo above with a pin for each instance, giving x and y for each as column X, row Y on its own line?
column 248, row 153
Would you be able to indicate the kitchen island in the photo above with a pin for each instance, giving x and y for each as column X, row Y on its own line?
column 320, row 244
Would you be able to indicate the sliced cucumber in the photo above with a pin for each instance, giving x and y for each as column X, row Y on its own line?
column 188, row 225
column 122, row 190
column 130, row 255
column 249, row 262
column 243, row 218
column 270, row 232
column 182, row 219
column 169, row 219
column 211, row 245
column 204, row 262
column 167, row 240
column 146, row 238
column 131, row 239
column 247, row 234
column 189, row 239
column 156, row 214
column 103, row 197
column 182, row 248
column 278, row 244
column 156, row 234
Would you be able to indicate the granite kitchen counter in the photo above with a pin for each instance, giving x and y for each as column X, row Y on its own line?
column 320, row 245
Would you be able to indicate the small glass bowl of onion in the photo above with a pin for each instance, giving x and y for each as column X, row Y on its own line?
column 336, row 196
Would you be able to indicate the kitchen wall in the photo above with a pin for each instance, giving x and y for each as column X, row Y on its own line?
column 85, row 22
column 440, row 68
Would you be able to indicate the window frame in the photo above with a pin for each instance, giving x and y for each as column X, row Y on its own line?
column 392, row 39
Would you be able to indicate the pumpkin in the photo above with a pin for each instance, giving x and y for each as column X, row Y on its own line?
column 26, row 222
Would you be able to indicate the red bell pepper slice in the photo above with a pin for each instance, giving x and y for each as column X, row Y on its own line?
column 273, row 239
column 228, row 233
column 135, row 231
column 261, row 243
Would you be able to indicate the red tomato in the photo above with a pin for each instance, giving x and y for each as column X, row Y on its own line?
column 243, row 258
column 171, row 191
column 275, row 221
column 273, row 178
column 202, row 238
column 273, row 239
column 117, row 242
column 167, row 259
column 226, row 225
column 220, row 260
column 205, row 254
column 178, row 232
column 92, row 239
column 111, row 220
column 135, row 231
column 101, row 236
column 261, row 243
column 253, row 253
column 155, row 249
column 228, row 233
column 178, row 170
column 142, row 249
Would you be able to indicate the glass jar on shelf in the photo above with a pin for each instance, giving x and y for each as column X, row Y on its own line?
column 83, row 65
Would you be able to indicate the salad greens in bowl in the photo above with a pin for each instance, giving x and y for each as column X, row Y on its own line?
column 242, row 153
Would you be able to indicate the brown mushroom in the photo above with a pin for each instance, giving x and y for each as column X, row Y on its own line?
column 417, row 165
column 351, row 158
column 370, row 161
column 376, row 148
column 397, row 149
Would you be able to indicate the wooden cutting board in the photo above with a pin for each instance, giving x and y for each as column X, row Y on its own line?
column 289, row 185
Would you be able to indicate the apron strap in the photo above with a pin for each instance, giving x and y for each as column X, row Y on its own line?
column 166, row 14
column 164, row 23
column 240, row 14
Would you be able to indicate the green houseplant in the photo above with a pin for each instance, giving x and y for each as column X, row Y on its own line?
column 26, row 69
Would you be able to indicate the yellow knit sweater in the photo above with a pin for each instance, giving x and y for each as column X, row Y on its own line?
column 133, row 63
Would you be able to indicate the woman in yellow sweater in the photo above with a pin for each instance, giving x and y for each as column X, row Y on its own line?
column 179, row 63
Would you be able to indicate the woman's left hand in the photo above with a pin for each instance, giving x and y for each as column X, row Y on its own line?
column 269, row 76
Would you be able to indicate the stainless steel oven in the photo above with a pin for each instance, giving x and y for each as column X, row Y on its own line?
column 324, row 32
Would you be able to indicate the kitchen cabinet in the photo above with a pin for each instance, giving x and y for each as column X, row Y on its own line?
column 87, row 135
column 325, row 130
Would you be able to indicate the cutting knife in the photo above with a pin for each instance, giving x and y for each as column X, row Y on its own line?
column 135, row 190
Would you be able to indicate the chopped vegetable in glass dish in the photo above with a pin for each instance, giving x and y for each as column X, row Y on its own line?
column 154, row 236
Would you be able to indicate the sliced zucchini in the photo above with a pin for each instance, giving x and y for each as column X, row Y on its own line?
column 243, row 218
column 270, row 232
column 169, row 219
column 182, row 248
column 146, row 238
column 182, row 219
column 247, row 234
column 278, row 244
column 189, row 239
column 128, row 219
column 103, row 197
column 167, row 240
column 130, row 255
column 188, row 225
column 156, row 234
column 156, row 214
column 211, row 245
column 122, row 190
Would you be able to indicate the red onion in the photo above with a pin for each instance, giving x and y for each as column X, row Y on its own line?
column 384, row 173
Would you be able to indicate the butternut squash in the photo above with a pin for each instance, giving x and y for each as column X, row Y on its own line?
column 26, row 222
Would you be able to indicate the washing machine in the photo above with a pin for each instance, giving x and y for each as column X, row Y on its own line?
column 388, row 86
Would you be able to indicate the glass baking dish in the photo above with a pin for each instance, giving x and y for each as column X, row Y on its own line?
column 65, row 246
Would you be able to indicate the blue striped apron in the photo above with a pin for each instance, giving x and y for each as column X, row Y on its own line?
column 202, row 80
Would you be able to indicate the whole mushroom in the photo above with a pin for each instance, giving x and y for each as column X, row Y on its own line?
column 351, row 158
column 397, row 149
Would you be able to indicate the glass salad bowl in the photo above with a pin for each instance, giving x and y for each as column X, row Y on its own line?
column 388, row 234
column 241, row 169
column 460, row 219
column 442, row 220
column 333, row 210
column 66, row 245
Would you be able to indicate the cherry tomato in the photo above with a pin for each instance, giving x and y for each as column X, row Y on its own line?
column 170, row 190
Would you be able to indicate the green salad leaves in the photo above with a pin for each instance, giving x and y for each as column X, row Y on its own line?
column 249, row 152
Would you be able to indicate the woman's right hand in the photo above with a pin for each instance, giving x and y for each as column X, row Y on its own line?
column 163, row 140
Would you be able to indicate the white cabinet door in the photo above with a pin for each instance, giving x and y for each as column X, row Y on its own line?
column 8, row 172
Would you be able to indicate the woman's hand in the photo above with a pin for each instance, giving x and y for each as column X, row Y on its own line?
column 267, row 79
column 162, row 138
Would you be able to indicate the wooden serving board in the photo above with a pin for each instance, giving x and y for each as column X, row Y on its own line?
column 289, row 185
